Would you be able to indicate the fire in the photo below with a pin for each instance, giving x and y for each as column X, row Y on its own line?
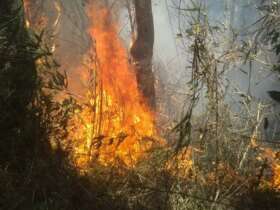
column 273, row 160
column 114, row 125
column 27, row 12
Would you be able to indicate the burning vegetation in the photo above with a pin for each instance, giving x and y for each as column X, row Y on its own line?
column 114, row 124
column 103, row 149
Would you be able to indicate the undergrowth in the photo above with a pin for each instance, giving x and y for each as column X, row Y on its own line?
column 217, row 162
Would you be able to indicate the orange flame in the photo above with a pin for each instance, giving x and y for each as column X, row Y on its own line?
column 27, row 12
column 115, row 125
column 273, row 159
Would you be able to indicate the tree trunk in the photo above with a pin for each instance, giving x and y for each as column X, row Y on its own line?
column 142, row 50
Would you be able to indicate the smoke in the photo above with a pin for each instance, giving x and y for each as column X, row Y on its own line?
column 170, row 56
column 236, row 16
column 73, row 41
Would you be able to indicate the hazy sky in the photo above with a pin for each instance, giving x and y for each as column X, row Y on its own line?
column 241, row 13
column 165, row 35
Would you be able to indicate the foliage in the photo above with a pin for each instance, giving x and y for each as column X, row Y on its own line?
column 223, row 159
column 215, row 164
column 34, row 171
column 268, row 30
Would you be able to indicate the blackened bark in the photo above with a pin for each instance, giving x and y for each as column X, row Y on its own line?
column 142, row 50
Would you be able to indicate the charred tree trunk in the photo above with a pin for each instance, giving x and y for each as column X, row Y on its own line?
column 142, row 50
